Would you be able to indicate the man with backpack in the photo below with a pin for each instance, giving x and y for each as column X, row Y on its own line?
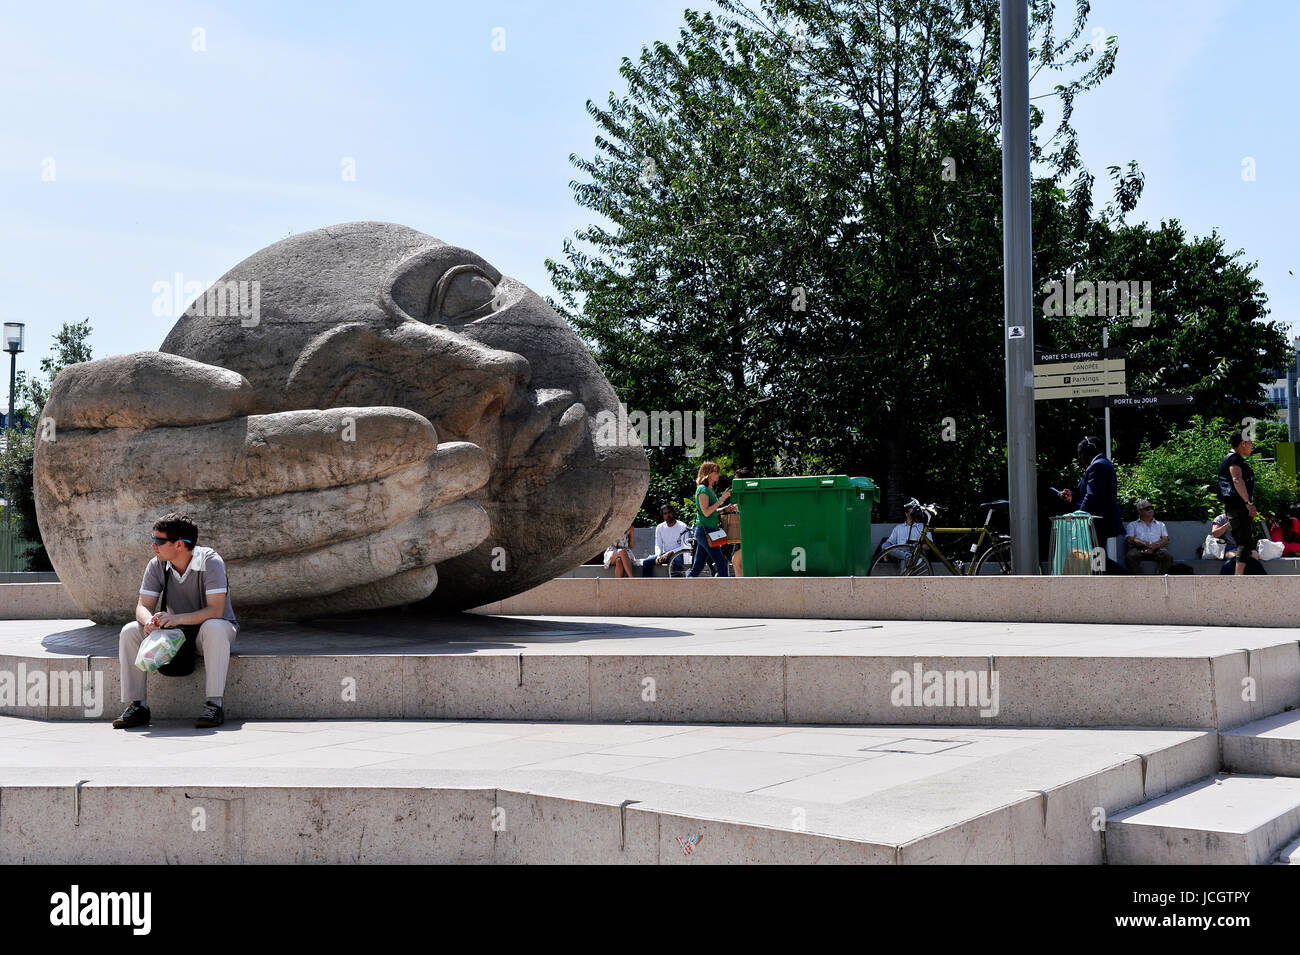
column 184, row 586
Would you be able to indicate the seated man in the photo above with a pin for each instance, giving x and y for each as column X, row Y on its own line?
column 1222, row 529
column 672, row 541
column 906, row 532
column 1147, row 539
column 194, row 579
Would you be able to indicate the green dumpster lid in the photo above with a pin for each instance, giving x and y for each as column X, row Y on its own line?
column 806, row 482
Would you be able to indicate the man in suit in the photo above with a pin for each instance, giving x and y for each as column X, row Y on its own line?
column 1098, row 494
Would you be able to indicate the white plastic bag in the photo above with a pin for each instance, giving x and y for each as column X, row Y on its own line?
column 159, row 648
column 1215, row 547
column 1269, row 549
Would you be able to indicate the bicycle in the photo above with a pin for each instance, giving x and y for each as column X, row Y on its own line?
column 991, row 548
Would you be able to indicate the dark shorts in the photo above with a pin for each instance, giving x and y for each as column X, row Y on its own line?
column 1243, row 530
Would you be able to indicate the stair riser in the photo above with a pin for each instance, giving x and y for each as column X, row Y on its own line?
column 1261, row 755
column 1050, row 691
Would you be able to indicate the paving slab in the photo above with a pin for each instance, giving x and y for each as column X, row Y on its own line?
column 340, row 791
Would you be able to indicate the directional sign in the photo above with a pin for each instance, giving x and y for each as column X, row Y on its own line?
column 1101, row 366
column 1087, row 354
column 1078, row 386
column 1141, row 401
column 1084, row 374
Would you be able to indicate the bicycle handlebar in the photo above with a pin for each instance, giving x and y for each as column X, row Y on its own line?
column 929, row 510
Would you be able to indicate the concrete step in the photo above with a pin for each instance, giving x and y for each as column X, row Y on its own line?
column 1290, row 855
column 1270, row 746
column 1222, row 820
column 1204, row 600
column 403, row 791
column 681, row 670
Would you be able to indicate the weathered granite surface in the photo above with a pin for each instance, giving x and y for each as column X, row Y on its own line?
column 378, row 414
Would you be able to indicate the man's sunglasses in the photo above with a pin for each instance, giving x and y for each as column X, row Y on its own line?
column 167, row 540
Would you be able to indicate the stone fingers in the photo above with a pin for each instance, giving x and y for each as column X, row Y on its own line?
column 146, row 390
column 255, row 456
column 415, row 543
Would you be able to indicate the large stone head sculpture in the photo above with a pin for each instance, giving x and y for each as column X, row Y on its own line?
column 434, row 417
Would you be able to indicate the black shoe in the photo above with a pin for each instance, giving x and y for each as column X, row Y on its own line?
column 137, row 714
column 213, row 715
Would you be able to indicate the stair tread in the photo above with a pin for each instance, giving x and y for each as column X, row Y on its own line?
column 1279, row 726
column 1223, row 803
column 1290, row 855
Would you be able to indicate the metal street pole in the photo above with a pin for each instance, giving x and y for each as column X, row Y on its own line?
column 1018, row 288
column 1292, row 405
column 1105, row 343
column 13, row 371
column 6, row 538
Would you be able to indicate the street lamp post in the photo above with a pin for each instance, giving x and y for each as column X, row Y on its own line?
column 1018, row 282
column 13, row 339
column 13, row 345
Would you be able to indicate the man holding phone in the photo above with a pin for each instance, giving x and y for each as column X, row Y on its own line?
column 197, row 600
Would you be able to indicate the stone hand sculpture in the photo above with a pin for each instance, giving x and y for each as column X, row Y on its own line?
column 357, row 417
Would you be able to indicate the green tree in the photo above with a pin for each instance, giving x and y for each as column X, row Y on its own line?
column 71, row 345
column 1207, row 336
column 801, row 206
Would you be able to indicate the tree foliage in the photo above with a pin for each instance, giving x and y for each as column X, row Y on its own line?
column 1180, row 476
column 799, row 234
column 71, row 345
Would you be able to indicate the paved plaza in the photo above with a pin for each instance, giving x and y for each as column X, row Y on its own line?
column 668, row 739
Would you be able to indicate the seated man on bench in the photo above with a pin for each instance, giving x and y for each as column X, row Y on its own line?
column 1148, row 539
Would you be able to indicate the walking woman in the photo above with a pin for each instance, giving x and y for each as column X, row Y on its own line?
column 1236, row 492
column 707, row 507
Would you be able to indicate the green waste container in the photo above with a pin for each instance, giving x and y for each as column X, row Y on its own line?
column 814, row 526
column 1074, row 539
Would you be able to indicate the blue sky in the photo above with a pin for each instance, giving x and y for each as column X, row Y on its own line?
column 169, row 159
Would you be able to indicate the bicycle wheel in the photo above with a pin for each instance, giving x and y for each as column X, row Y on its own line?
column 901, row 560
column 996, row 560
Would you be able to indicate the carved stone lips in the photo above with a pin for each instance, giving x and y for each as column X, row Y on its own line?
column 553, row 426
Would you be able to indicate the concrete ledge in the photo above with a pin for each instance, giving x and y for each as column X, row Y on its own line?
column 1189, row 600
column 688, row 670
column 36, row 601
column 1201, row 600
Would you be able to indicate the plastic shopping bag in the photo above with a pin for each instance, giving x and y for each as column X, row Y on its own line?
column 1269, row 549
column 159, row 648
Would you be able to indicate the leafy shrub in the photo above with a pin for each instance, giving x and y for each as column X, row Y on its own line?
column 1180, row 476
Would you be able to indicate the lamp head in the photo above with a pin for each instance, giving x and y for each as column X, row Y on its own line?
column 13, row 337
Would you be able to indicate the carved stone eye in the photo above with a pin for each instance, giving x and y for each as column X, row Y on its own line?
column 464, row 292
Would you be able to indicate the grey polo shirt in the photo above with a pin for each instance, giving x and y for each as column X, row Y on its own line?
column 188, row 592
